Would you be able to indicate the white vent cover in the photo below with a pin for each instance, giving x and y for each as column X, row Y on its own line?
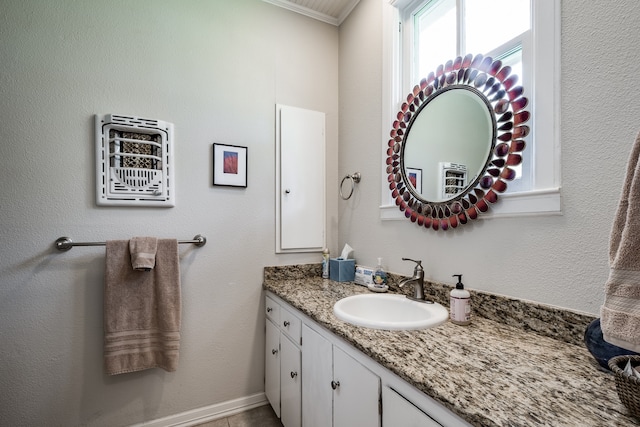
column 453, row 178
column 134, row 161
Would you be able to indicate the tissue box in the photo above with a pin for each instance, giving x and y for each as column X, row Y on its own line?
column 342, row 270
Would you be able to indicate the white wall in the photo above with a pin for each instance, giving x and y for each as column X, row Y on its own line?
column 558, row 260
column 215, row 69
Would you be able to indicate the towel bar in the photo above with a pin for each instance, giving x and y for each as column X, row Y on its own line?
column 65, row 243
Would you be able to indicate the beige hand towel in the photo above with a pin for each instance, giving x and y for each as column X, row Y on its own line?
column 141, row 310
column 143, row 252
column 620, row 313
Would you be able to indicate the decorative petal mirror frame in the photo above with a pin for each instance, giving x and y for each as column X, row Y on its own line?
column 496, row 83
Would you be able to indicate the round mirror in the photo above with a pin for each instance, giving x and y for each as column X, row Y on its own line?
column 456, row 141
column 439, row 160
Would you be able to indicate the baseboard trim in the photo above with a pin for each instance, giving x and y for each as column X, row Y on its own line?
column 208, row 413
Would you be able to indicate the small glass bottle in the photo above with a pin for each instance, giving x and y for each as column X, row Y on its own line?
column 379, row 276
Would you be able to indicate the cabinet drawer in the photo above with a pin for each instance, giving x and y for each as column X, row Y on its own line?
column 272, row 310
column 290, row 325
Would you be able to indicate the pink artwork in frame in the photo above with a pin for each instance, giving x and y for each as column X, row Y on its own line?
column 229, row 165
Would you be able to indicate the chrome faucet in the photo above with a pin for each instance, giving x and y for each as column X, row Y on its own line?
column 417, row 281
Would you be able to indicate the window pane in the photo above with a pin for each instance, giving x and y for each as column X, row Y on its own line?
column 523, row 170
column 514, row 60
column 435, row 36
column 491, row 23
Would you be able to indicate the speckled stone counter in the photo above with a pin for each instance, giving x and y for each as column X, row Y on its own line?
column 521, row 365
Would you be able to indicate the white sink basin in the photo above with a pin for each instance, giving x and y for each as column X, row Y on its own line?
column 388, row 311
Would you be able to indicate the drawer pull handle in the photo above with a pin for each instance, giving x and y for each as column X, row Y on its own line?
column 274, row 351
column 294, row 374
column 269, row 309
column 335, row 384
column 286, row 323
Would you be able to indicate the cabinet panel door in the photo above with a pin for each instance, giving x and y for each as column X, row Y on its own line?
column 399, row 412
column 272, row 366
column 301, row 176
column 317, row 365
column 290, row 383
column 356, row 399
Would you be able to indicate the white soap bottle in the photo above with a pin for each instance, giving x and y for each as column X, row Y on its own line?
column 460, row 304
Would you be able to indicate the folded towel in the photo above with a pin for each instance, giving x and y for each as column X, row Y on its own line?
column 141, row 310
column 143, row 253
column 620, row 313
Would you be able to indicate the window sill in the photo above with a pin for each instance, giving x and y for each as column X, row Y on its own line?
column 526, row 203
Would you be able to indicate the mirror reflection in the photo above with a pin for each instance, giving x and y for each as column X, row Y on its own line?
column 440, row 160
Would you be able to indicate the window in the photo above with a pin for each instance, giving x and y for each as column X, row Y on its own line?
column 525, row 34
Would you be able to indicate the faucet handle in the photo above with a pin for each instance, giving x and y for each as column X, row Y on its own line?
column 418, row 264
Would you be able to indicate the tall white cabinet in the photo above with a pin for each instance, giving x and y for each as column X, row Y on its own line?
column 300, row 180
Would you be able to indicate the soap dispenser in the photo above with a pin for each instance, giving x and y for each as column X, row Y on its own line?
column 460, row 303
column 379, row 279
column 379, row 276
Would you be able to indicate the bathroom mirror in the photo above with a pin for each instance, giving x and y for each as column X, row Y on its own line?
column 455, row 142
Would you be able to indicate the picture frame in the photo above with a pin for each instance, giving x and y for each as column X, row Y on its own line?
column 414, row 175
column 229, row 165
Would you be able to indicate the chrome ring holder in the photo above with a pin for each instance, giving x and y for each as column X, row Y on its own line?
column 355, row 178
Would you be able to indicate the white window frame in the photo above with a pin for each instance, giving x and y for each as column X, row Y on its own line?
column 544, row 196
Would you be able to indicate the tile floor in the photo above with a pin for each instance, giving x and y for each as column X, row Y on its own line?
column 262, row 416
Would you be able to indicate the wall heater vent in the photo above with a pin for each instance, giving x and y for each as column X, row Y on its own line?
column 453, row 179
column 134, row 161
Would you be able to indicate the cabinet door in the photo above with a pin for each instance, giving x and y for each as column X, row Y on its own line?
column 290, row 383
column 272, row 366
column 317, row 365
column 399, row 412
column 356, row 399
column 300, row 179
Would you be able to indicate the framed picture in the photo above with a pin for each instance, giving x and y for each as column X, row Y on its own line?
column 415, row 178
column 229, row 165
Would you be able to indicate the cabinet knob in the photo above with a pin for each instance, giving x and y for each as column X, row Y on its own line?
column 335, row 384
column 286, row 323
column 274, row 351
column 294, row 374
column 269, row 309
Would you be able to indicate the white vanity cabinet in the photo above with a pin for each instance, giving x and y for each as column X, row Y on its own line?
column 336, row 384
column 336, row 390
column 283, row 374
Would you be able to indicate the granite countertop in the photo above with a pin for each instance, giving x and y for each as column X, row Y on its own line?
column 491, row 373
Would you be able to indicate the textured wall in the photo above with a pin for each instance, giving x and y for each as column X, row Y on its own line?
column 215, row 69
column 559, row 260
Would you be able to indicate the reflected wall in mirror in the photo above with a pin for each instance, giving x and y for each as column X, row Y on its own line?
column 449, row 140
column 456, row 142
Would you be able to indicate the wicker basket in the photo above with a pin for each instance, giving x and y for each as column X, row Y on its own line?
column 628, row 387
